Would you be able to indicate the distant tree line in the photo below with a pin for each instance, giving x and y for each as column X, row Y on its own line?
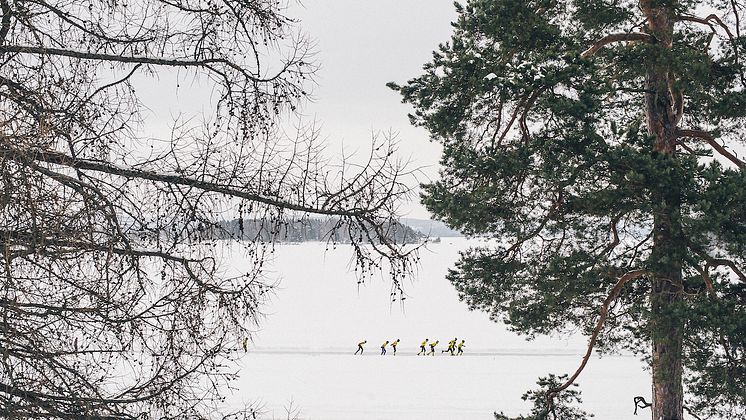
column 306, row 229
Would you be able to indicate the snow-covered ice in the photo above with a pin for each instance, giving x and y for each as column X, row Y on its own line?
column 303, row 353
column 341, row 386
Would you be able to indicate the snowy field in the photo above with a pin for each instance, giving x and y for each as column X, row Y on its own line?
column 303, row 353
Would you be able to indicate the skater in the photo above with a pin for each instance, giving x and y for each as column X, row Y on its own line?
column 393, row 345
column 383, row 347
column 422, row 348
column 453, row 346
column 360, row 347
column 432, row 348
column 461, row 346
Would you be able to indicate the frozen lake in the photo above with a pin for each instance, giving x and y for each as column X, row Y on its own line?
column 303, row 353
column 340, row 386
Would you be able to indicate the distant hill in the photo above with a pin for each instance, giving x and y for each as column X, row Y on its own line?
column 431, row 228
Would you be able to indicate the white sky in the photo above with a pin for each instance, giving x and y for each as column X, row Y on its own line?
column 361, row 46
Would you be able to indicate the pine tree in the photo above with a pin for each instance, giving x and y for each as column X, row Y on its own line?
column 597, row 141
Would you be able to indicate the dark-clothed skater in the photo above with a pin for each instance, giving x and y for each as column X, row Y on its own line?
column 360, row 347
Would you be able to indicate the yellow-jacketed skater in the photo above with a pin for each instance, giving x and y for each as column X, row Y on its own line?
column 393, row 345
column 422, row 348
column 383, row 347
column 432, row 348
column 451, row 345
column 461, row 346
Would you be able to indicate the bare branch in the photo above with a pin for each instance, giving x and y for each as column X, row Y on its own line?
column 175, row 179
column 156, row 61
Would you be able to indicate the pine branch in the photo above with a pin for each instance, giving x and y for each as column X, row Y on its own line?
column 603, row 315
column 704, row 272
column 719, row 22
column 708, row 21
column 710, row 139
column 613, row 38
column 716, row 262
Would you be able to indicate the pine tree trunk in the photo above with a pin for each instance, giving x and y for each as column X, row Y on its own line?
column 663, row 108
column 666, row 326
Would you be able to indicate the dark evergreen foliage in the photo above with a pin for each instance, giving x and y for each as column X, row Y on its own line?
column 561, row 407
column 549, row 150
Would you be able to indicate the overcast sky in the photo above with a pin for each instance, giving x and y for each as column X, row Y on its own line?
column 361, row 46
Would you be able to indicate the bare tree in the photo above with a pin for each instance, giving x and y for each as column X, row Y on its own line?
column 115, row 302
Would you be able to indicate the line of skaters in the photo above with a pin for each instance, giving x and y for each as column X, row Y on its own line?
column 453, row 348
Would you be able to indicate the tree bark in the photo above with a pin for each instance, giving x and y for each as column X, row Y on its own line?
column 663, row 107
column 666, row 326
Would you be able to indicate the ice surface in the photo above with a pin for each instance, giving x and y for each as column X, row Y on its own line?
column 342, row 386
column 303, row 352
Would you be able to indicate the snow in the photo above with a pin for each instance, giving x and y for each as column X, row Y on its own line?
column 342, row 386
column 303, row 353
